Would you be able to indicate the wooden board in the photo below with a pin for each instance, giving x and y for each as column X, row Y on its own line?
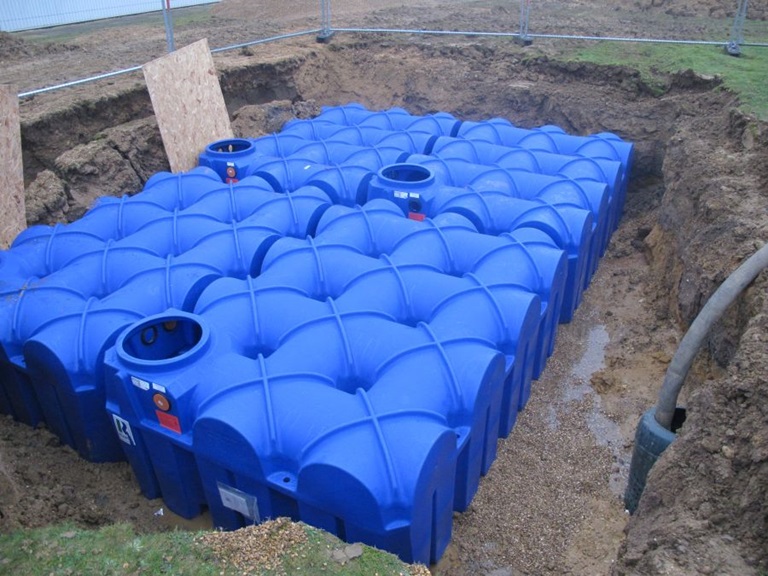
column 188, row 103
column 12, row 218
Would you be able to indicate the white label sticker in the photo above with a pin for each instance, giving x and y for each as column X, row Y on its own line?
column 414, row 195
column 239, row 501
column 399, row 194
column 230, row 163
column 139, row 383
column 158, row 388
column 124, row 431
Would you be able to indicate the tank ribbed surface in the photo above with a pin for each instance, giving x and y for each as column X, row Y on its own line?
column 335, row 323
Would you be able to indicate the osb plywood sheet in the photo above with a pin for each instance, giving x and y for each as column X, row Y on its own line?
column 188, row 103
column 12, row 220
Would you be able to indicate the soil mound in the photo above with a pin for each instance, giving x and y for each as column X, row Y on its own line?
column 13, row 47
column 757, row 10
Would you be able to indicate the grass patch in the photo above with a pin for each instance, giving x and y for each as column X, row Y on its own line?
column 744, row 75
column 65, row 550
column 192, row 16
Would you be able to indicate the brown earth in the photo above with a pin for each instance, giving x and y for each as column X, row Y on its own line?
column 697, row 206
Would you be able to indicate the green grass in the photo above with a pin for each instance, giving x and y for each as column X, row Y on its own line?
column 183, row 17
column 65, row 550
column 745, row 75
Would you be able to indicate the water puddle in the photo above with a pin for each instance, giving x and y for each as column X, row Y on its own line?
column 577, row 388
column 591, row 361
column 553, row 422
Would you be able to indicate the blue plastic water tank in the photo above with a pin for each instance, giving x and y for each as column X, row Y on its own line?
column 126, row 259
column 335, row 323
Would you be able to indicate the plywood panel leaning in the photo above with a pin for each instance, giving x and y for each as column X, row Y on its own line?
column 188, row 103
column 12, row 220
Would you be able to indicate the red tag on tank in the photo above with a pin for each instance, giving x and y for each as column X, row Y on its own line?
column 231, row 181
column 168, row 421
column 417, row 216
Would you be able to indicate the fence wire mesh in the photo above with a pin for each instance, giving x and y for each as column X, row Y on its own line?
column 124, row 43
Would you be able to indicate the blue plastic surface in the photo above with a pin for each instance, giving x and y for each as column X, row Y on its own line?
column 126, row 259
column 335, row 323
column 568, row 223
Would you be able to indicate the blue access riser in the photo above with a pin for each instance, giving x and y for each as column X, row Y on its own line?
column 165, row 348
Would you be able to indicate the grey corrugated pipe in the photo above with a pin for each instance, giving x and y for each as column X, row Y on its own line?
column 694, row 338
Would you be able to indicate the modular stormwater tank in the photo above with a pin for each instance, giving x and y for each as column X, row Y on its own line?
column 335, row 323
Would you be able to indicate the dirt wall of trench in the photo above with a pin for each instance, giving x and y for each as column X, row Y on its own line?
column 704, row 510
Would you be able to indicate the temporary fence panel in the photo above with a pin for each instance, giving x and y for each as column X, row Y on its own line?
column 233, row 27
column 18, row 15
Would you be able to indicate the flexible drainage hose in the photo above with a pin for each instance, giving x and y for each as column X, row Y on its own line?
column 694, row 338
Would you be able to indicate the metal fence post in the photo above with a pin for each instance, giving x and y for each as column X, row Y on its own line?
column 525, row 14
column 325, row 21
column 737, row 31
column 166, row 4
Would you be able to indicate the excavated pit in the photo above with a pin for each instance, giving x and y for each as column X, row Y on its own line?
column 551, row 503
